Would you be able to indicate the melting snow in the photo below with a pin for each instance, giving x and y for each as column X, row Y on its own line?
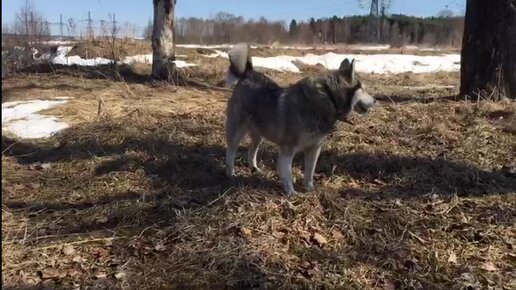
column 373, row 63
column 21, row 118
column 147, row 58
column 387, row 63
column 60, row 57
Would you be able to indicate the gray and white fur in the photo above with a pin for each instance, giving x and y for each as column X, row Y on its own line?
column 296, row 118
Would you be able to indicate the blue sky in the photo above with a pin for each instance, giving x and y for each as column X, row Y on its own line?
column 139, row 11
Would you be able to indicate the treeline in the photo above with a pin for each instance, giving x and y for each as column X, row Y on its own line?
column 396, row 30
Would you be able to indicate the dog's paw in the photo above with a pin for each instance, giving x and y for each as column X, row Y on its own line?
column 290, row 193
column 309, row 188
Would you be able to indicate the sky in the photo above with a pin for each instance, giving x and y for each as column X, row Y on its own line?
column 138, row 12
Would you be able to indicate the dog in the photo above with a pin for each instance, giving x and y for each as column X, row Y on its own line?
column 296, row 118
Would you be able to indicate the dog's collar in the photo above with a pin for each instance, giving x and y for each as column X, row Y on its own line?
column 340, row 112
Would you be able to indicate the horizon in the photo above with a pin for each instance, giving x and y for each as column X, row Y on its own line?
column 136, row 15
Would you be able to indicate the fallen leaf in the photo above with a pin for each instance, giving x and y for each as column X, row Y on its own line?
column 73, row 273
column 488, row 266
column 337, row 234
column 388, row 285
column 278, row 235
column 78, row 259
column 100, row 275
column 102, row 220
column 119, row 275
column 353, row 193
column 306, row 264
column 51, row 273
column 319, row 239
column 452, row 258
column 101, row 253
column 160, row 248
column 68, row 250
column 245, row 232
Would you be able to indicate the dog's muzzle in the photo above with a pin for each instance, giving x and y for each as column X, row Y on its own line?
column 363, row 102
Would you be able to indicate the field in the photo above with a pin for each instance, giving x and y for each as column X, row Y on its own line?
column 419, row 194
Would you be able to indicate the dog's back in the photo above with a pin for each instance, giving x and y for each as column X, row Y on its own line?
column 254, row 101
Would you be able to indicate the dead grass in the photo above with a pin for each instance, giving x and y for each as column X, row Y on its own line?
column 102, row 47
column 419, row 195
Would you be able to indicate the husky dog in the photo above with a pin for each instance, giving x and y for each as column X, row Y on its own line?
column 296, row 118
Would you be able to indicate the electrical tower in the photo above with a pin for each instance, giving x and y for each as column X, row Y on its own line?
column 375, row 12
column 90, row 26
column 61, row 24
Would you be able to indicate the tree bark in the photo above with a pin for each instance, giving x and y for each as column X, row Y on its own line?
column 163, row 41
column 488, row 65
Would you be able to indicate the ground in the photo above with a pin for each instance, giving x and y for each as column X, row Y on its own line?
column 419, row 194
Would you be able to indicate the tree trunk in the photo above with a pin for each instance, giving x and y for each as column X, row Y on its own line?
column 163, row 40
column 488, row 65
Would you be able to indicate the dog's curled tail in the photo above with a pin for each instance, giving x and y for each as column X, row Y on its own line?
column 240, row 63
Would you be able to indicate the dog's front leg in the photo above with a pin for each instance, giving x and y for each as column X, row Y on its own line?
column 311, row 156
column 286, row 156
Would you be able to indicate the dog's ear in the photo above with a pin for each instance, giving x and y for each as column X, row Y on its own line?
column 347, row 69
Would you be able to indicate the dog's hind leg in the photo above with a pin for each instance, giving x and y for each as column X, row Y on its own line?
column 311, row 156
column 235, row 131
column 285, row 158
column 256, row 140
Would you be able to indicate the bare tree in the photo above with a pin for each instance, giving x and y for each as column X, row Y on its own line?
column 112, row 37
column 489, row 49
column 163, row 40
column 30, row 22
column 33, row 26
column 147, row 31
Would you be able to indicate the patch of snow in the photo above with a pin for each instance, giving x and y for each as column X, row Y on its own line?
column 147, row 58
column 139, row 58
column 217, row 53
column 21, row 118
column 296, row 47
column 388, row 63
column 374, row 63
column 58, row 42
column 369, row 47
column 182, row 63
column 280, row 63
column 60, row 57
column 77, row 60
column 219, row 46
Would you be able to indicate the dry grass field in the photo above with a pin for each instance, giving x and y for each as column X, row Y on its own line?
column 419, row 194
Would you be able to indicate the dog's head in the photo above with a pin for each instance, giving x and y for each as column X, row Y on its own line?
column 348, row 91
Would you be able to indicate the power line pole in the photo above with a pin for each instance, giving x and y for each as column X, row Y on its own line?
column 90, row 26
column 114, row 25
column 61, row 24
column 375, row 12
